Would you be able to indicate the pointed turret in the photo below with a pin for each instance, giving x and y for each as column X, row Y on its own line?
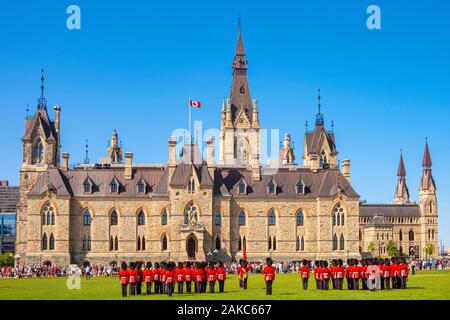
column 401, row 191
column 427, row 181
column 114, row 150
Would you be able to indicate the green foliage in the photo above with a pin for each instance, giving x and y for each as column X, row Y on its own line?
column 429, row 250
column 7, row 259
column 371, row 247
column 391, row 248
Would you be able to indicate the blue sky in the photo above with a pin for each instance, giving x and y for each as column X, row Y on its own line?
column 133, row 66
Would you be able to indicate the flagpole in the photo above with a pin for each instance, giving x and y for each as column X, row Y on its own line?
column 189, row 105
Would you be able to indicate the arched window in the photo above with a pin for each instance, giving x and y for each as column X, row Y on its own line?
column 143, row 243
column 43, row 218
column 382, row 236
column 323, row 159
column 272, row 218
column 274, row 246
column 138, row 243
column 89, row 243
column 113, row 186
column 431, row 206
column 53, row 218
column 164, row 243
column 299, row 218
column 242, row 218
column 190, row 213
column 335, row 244
column 111, row 244
column 338, row 215
column 113, row 219
column 84, row 243
column 87, row 187
column 341, row 242
column 218, row 243
column 242, row 187
column 302, row 244
column 164, row 217
column 51, row 245
column 217, row 218
column 116, row 243
column 87, row 218
column 141, row 187
column 297, row 244
column 44, row 242
column 271, row 187
column 400, row 235
column 191, row 185
column 141, row 218
column 411, row 235
column 300, row 187
column 38, row 151
column 360, row 235
column 432, row 234
column 240, row 244
column 48, row 214
column 269, row 244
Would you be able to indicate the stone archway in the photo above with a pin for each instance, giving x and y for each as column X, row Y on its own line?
column 191, row 247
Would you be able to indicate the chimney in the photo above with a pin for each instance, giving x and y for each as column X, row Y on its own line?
column 256, row 170
column 65, row 164
column 255, row 120
column 128, row 165
column 210, row 152
column 346, row 169
column 57, row 110
column 172, row 153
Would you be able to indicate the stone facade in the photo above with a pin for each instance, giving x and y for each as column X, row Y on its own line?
column 192, row 208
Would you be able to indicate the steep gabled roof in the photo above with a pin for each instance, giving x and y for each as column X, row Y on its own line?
column 314, row 140
column 40, row 118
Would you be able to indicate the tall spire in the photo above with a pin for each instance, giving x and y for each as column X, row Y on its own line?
column 401, row 191
column 42, row 102
column 427, row 163
column 427, row 180
column 240, row 90
column 319, row 116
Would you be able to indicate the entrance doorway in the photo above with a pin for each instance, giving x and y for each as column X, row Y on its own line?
column 191, row 247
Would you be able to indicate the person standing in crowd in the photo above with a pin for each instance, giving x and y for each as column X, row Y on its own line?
column 199, row 277
column 211, row 275
column 221, row 276
column 333, row 273
column 317, row 275
column 394, row 274
column 169, row 278
column 363, row 274
column 88, row 272
column 123, row 278
column 139, row 277
column 386, row 269
column 243, row 274
column 132, row 276
column 148, row 278
column 162, row 274
column 356, row 274
column 179, row 276
column 305, row 273
column 349, row 274
column 205, row 268
column 269, row 275
column 157, row 278
column 188, row 276
column 380, row 264
column 340, row 272
column 403, row 268
column 326, row 275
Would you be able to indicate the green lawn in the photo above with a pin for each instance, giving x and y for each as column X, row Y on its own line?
column 424, row 285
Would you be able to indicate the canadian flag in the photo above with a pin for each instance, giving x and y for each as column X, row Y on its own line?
column 196, row 104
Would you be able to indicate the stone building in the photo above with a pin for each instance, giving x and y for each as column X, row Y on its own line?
column 194, row 208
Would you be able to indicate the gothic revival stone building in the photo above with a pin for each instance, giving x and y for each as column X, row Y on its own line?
column 194, row 208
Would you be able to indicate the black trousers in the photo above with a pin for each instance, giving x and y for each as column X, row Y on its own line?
column 188, row 286
column 333, row 282
column 387, row 283
column 243, row 283
column 349, row 283
column 325, row 284
column 403, row 282
column 180, row 287
column 318, row 284
column 204, row 285
column 211, row 286
column 124, row 290
column 148, row 287
column 305, row 283
column 199, row 287
column 138, row 287
column 339, row 283
column 355, row 284
column 269, row 287
column 169, row 288
column 382, row 283
column 162, row 287
column 132, row 289
column 221, row 285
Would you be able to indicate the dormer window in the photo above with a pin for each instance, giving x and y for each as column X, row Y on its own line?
column 114, row 186
column 38, row 151
column 141, row 186
column 300, row 187
column 191, row 185
column 242, row 187
column 87, row 186
column 323, row 160
column 271, row 187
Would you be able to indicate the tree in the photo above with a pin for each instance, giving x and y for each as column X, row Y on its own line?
column 429, row 249
column 391, row 248
column 6, row 259
column 371, row 247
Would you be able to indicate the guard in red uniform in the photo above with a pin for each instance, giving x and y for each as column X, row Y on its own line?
column 387, row 274
column 349, row 274
column 221, row 276
column 333, row 273
column 403, row 269
column 123, row 278
column 269, row 275
column 340, row 273
column 380, row 264
column 326, row 275
column 205, row 268
column 169, row 277
column 132, row 276
column 243, row 274
column 199, row 277
column 317, row 275
column 363, row 274
column 148, row 278
column 162, row 274
column 211, row 276
column 156, row 277
column 187, row 268
column 179, row 277
column 305, row 273
column 394, row 273
column 140, row 274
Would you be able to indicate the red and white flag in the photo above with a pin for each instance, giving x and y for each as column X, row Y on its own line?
column 194, row 103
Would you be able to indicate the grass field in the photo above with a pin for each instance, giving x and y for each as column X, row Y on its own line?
column 434, row 285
